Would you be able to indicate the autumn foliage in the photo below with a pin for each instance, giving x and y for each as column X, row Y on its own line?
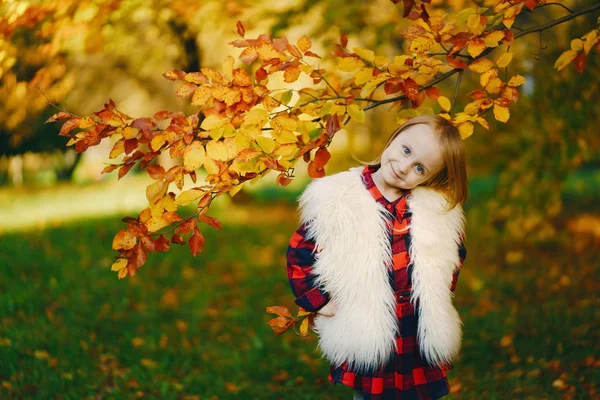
column 243, row 128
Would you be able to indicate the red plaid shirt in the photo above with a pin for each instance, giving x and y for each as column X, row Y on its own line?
column 407, row 375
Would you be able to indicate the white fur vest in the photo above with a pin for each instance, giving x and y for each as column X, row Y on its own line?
column 352, row 262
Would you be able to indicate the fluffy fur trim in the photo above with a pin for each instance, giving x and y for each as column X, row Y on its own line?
column 354, row 254
column 436, row 235
column 352, row 262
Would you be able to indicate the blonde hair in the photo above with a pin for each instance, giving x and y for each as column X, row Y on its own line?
column 452, row 179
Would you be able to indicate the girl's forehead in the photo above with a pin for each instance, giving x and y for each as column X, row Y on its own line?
column 419, row 133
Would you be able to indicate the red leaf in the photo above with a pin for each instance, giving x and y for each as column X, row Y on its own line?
column 240, row 29
column 136, row 259
column 456, row 63
column 411, row 89
column 477, row 94
column 239, row 43
column 187, row 226
column 392, row 86
column 433, row 92
column 58, row 116
column 311, row 54
column 160, row 115
column 260, row 74
column 130, row 145
column 344, row 38
column 580, row 62
column 212, row 221
column 322, row 156
column 124, row 170
column 162, row 243
column 177, row 238
column 408, row 5
column 148, row 243
column 156, row 172
column 196, row 242
column 419, row 99
column 69, row 126
column 315, row 172
column 333, row 125
column 204, row 202
column 282, row 180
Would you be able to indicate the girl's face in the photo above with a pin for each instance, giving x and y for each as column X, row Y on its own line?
column 413, row 157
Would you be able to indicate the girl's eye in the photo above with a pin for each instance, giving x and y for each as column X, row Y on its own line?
column 420, row 169
column 406, row 150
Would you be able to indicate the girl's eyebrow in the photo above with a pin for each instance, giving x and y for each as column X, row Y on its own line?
column 425, row 167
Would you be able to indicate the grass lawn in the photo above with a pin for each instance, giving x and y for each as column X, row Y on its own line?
column 194, row 328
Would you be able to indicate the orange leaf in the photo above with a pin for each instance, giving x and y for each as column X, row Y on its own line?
column 280, row 324
column 279, row 310
column 249, row 55
column 456, row 63
column 196, row 242
column 248, row 155
column 240, row 29
column 162, row 243
column 156, row 172
column 58, row 116
column 174, row 75
column 476, row 47
column 241, row 78
column 124, row 240
column 481, row 65
column 292, row 73
column 69, row 126
column 212, row 221
column 433, row 93
column 309, row 53
column 580, row 61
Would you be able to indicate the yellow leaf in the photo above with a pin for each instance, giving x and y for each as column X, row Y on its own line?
column 124, row 240
column 234, row 190
column 501, row 113
column 476, row 23
column 492, row 38
column 156, row 191
column 576, row 44
column 227, row 66
column 119, row 264
column 153, row 225
column 41, row 354
column 504, row 60
column 363, row 75
column 485, row 78
column 494, row 86
column 130, row 133
column 87, row 122
column 516, row 80
column 212, row 122
column 420, row 44
column 304, row 43
column 283, row 122
column 304, row 327
column 291, row 74
column 266, row 144
column 381, row 61
column 444, row 103
column 188, row 196
column 256, row 116
column 465, row 129
column 481, row 65
column 201, row 96
column 356, row 113
column 590, row 40
column 123, row 273
column 216, row 150
column 476, row 47
column 365, row 54
column 285, row 136
column 564, row 59
column 350, row 64
column 483, row 123
column 117, row 149
column 193, row 156
column 158, row 141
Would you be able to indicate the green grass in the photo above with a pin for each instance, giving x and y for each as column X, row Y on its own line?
column 71, row 325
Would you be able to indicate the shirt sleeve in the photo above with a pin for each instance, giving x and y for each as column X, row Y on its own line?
column 300, row 261
column 462, row 255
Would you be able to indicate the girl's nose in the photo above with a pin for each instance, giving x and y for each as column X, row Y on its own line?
column 402, row 168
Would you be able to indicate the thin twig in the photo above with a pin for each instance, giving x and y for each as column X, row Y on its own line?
column 556, row 4
column 51, row 103
column 460, row 75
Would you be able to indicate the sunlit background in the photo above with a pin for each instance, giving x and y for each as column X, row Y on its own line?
column 194, row 328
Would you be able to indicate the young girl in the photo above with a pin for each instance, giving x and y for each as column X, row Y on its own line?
column 378, row 256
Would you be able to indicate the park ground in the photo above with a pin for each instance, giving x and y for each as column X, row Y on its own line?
column 195, row 328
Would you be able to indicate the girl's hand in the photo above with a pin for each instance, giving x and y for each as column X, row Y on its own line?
column 328, row 310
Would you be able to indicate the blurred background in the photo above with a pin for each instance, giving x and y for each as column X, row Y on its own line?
column 194, row 328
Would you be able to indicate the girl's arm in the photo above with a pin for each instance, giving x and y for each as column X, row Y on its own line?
column 300, row 260
column 462, row 254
